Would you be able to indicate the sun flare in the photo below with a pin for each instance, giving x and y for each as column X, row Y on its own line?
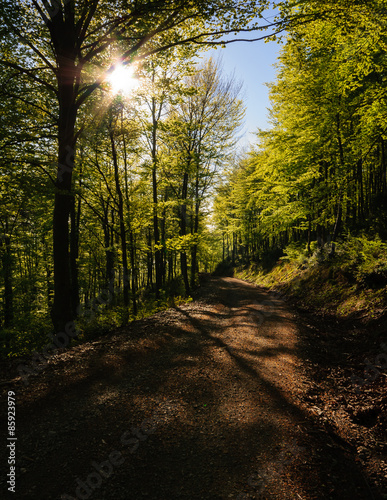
column 123, row 79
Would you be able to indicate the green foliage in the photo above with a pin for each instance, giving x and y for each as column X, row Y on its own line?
column 365, row 259
column 150, row 307
column 101, row 323
column 351, row 283
column 111, row 166
column 320, row 171
column 29, row 334
column 296, row 251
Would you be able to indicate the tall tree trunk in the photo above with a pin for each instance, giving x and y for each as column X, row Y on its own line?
column 120, row 205
column 150, row 261
column 194, row 249
column 156, row 232
column 170, row 265
column 63, row 35
column 109, row 253
column 361, row 189
column 62, row 313
column 131, row 237
column 309, row 234
column 183, row 232
column 133, row 265
column 74, row 253
column 383, row 167
column 233, row 249
column 8, row 288
column 163, row 252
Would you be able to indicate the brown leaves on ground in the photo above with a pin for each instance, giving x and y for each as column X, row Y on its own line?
column 222, row 398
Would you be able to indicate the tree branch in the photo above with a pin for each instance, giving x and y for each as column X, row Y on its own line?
column 29, row 74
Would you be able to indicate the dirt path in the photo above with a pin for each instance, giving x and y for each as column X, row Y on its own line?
column 199, row 402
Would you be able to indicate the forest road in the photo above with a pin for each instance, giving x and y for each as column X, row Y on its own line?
column 203, row 401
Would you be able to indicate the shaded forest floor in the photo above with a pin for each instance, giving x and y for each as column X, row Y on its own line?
column 235, row 395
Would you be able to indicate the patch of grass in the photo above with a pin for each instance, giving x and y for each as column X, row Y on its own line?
column 29, row 334
column 106, row 320
column 151, row 307
column 351, row 281
column 32, row 333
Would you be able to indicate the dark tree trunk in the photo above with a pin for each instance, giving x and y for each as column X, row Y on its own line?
column 309, row 234
column 336, row 229
column 183, row 232
column 194, row 250
column 120, row 205
column 233, row 250
column 163, row 253
column 384, row 167
column 361, row 189
column 156, row 231
column 109, row 254
column 74, row 253
column 170, row 266
column 133, row 265
column 150, row 261
column 62, row 313
column 8, row 288
column 64, row 41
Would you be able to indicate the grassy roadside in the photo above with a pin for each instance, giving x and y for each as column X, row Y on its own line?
column 100, row 317
column 350, row 284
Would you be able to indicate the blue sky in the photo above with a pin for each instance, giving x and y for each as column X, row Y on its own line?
column 252, row 63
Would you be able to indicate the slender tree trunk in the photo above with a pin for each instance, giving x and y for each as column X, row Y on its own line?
column 361, row 189
column 194, row 250
column 109, row 254
column 163, row 254
column 150, row 261
column 183, row 232
column 384, row 167
column 8, row 288
column 131, row 237
column 336, row 228
column 133, row 265
column 170, row 266
column 156, row 231
column 120, row 205
column 233, row 249
column 309, row 234
column 74, row 253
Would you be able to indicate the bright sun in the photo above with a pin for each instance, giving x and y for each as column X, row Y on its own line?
column 123, row 79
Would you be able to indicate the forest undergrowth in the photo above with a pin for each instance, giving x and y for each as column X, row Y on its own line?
column 349, row 283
